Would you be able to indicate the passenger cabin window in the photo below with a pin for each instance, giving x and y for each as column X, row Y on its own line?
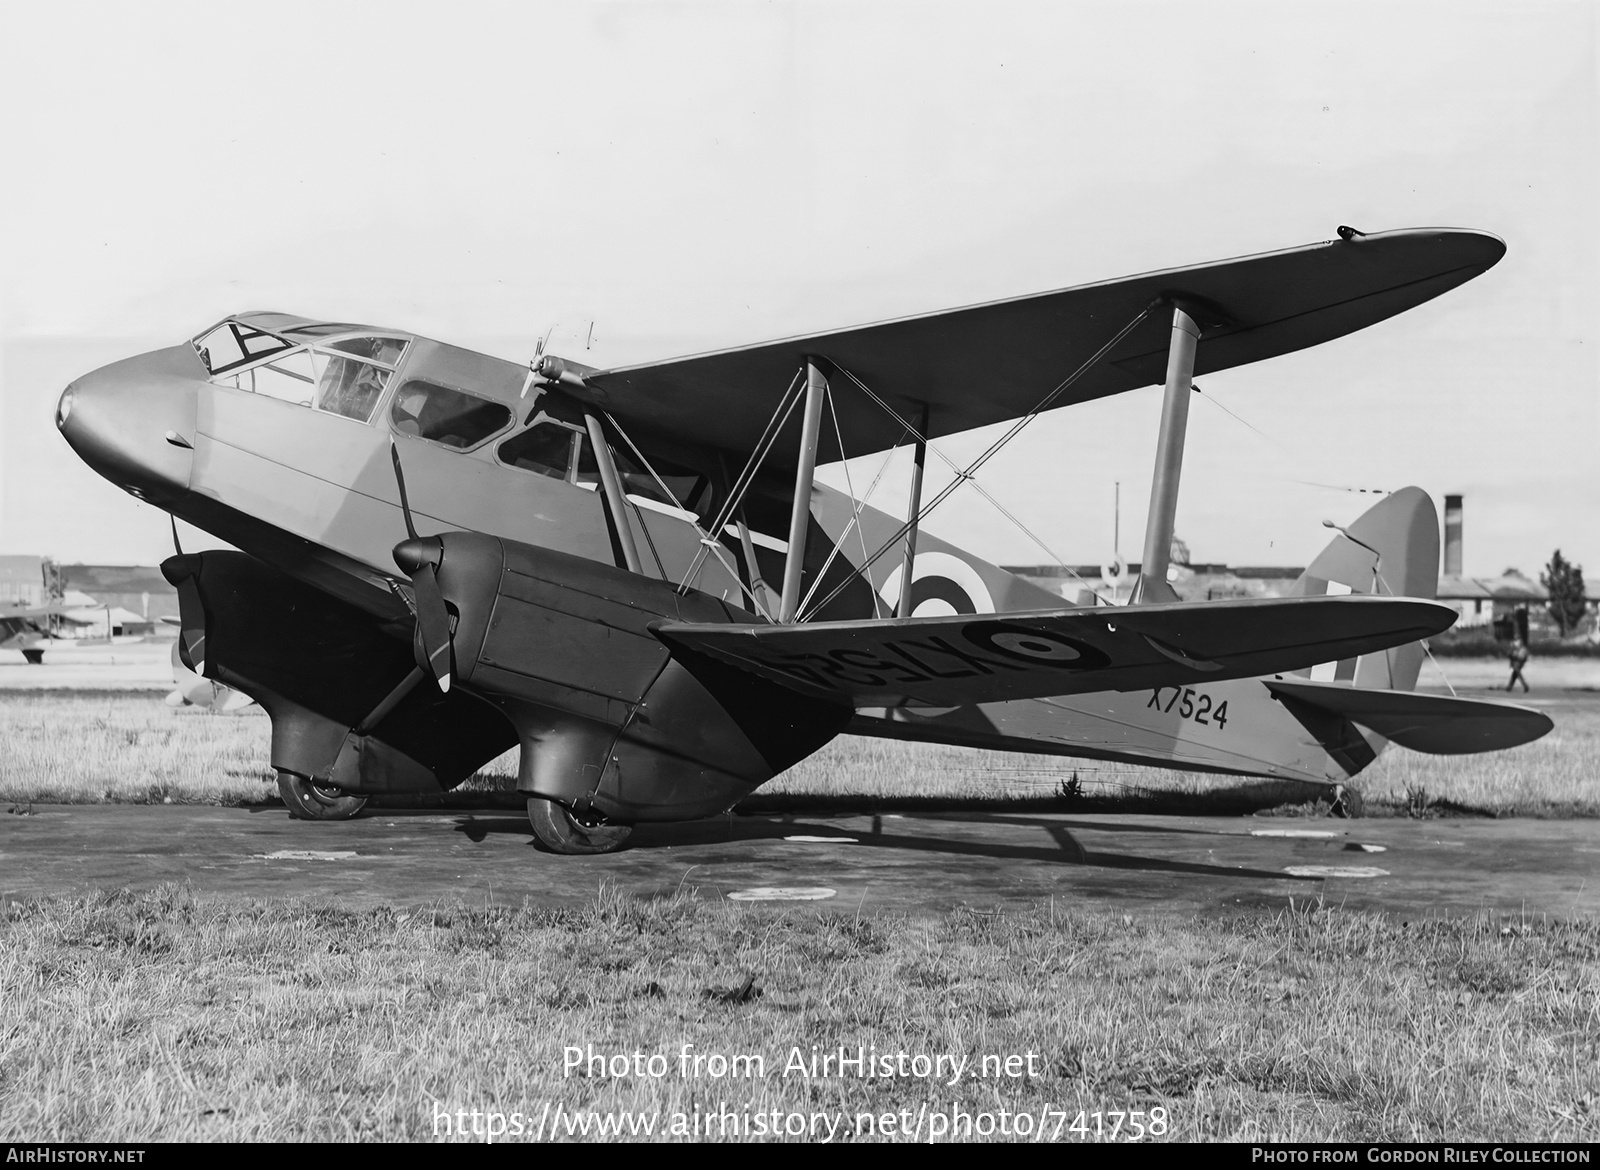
column 446, row 416
column 549, row 447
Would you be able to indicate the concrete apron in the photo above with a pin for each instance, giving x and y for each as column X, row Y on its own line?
column 908, row 864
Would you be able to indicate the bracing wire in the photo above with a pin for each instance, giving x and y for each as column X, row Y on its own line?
column 978, row 487
column 857, row 507
column 993, row 449
column 707, row 542
column 775, row 425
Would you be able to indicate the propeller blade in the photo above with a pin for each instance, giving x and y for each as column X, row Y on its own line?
column 400, row 482
column 419, row 559
column 434, row 620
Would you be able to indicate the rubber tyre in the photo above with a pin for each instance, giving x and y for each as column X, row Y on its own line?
column 559, row 831
column 310, row 801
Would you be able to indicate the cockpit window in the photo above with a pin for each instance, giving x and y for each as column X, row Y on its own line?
column 347, row 378
column 350, row 388
column 322, row 329
column 446, row 416
column 383, row 350
column 231, row 345
column 549, row 447
column 290, row 378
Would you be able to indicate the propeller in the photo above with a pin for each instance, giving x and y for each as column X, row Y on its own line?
column 535, row 370
column 420, row 558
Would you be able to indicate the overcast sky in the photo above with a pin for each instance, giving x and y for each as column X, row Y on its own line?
column 696, row 175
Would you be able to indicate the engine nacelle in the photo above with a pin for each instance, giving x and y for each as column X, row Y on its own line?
column 609, row 719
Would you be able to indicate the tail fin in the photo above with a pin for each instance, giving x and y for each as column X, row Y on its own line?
column 1392, row 549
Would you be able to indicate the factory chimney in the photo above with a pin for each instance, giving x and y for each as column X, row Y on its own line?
column 1452, row 536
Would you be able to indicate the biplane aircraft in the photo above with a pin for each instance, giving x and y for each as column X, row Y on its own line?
column 633, row 575
column 21, row 629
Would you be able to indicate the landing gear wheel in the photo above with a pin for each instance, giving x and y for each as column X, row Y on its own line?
column 1347, row 802
column 562, row 831
column 311, row 800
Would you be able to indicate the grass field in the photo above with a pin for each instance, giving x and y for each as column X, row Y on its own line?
column 128, row 746
column 170, row 1017
column 176, row 1016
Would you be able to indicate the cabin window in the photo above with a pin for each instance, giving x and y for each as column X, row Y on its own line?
column 233, row 344
column 446, row 416
column 548, row 448
column 636, row 481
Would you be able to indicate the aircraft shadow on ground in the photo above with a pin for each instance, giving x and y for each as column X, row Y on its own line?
column 1097, row 826
column 1068, row 851
column 734, row 830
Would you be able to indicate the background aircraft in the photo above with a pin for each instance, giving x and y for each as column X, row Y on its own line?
column 191, row 690
column 27, row 630
column 624, row 571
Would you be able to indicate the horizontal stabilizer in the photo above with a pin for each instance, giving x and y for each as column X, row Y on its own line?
column 961, row 658
column 1438, row 724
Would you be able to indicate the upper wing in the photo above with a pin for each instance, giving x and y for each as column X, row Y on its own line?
column 22, row 622
column 28, row 613
column 993, row 362
column 949, row 661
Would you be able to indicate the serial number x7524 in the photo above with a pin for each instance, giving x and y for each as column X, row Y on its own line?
column 1191, row 704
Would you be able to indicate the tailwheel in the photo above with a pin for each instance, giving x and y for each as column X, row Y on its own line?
column 312, row 800
column 560, row 830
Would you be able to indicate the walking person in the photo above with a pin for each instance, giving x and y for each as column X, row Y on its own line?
column 1519, row 659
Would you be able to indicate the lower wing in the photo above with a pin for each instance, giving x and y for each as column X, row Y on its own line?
column 948, row 661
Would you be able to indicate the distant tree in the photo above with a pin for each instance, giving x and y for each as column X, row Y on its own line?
column 1563, row 581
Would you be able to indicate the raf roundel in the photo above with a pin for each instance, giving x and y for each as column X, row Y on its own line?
column 1034, row 646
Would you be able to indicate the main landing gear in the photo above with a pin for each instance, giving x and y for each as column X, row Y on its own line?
column 560, row 830
column 312, row 800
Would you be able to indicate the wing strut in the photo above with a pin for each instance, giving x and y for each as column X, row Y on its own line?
column 800, row 510
column 915, row 506
column 611, row 484
column 1152, row 587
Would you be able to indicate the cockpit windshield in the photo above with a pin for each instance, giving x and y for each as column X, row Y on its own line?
column 233, row 344
column 345, row 376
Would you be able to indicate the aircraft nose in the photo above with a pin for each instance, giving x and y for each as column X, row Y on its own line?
column 134, row 421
